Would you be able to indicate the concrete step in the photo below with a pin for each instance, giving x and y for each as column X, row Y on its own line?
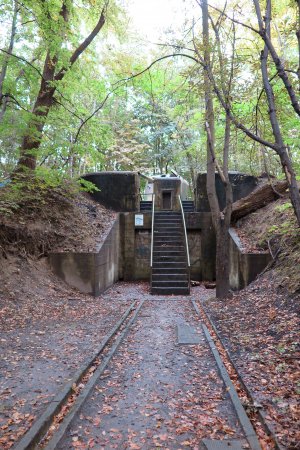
column 170, row 283
column 167, row 213
column 168, row 231
column 145, row 204
column 169, row 277
column 168, row 246
column 163, row 233
column 168, row 243
column 159, row 236
column 169, row 264
column 169, row 270
column 167, row 219
column 170, row 291
column 167, row 253
column 170, row 258
column 167, row 226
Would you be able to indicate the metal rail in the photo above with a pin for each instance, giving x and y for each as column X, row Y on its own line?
column 152, row 229
column 185, row 234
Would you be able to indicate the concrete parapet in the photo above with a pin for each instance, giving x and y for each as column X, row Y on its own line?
column 166, row 192
column 117, row 190
column 90, row 273
column 242, row 185
column 244, row 267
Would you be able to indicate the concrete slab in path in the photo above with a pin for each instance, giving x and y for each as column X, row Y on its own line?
column 186, row 335
column 226, row 444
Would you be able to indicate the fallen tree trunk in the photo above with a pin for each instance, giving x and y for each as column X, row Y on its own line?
column 259, row 198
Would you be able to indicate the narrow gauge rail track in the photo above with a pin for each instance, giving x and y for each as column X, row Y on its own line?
column 43, row 433
column 50, row 429
column 257, row 413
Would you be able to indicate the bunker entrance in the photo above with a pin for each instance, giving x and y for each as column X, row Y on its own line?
column 166, row 200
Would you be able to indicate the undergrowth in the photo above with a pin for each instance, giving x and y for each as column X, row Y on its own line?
column 32, row 192
column 35, row 211
column 275, row 228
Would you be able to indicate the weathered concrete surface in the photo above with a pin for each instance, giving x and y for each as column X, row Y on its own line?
column 168, row 184
column 118, row 190
column 194, row 243
column 107, row 261
column 90, row 273
column 242, row 185
column 244, row 267
column 142, row 250
column 76, row 269
column 201, row 234
column 135, row 247
column 186, row 335
column 125, row 255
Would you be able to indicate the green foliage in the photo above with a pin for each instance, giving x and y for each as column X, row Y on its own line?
column 87, row 186
column 151, row 122
column 28, row 191
column 284, row 207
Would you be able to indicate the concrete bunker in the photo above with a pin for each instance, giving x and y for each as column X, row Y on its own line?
column 125, row 254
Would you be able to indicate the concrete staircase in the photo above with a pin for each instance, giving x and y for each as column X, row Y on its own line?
column 170, row 272
column 145, row 206
column 188, row 206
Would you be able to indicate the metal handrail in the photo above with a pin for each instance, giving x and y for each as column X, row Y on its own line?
column 152, row 229
column 185, row 233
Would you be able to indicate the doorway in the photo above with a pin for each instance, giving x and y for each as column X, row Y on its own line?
column 167, row 200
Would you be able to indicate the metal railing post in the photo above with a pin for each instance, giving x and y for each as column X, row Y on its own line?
column 186, row 239
column 152, row 229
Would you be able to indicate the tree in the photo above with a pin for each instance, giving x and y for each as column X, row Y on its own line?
column 221, row 220
column 54, row 72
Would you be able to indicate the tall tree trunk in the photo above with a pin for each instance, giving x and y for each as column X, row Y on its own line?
column 282, row 73
column 298, row 38
column 281, row 147
column 44, row 101
column 221, row 222
column 45, row 98
column 3, row 97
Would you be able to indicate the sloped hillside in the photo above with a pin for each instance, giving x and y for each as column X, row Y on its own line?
column 260, row 325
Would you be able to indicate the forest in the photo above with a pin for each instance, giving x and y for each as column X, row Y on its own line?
column 186, row 87
column 81, row 92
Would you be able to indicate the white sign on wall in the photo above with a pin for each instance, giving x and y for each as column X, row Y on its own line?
column 139, row 220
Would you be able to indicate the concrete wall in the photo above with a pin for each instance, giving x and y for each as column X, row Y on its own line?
column 90, row 273
column 135, row 244
column 118, row 190
column 194, row 243
column 201, row 234
column 135, row 247
column 171, row 184
column 107, row 260
column 244, row 267
column 242, row 185
column 125, row 255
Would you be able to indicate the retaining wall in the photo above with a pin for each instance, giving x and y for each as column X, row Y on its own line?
column 90, row 273
column 244, row 267
column 125, row 255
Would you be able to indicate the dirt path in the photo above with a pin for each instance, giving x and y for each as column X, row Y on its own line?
column 43, row 342
column 156, row 393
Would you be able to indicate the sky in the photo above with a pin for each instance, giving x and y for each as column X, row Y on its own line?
column 152, row 17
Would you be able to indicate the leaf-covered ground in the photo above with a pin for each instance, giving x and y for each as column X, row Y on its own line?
column 260, row 327
column 156, row 393
column 47, row 331
column 57, row 220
